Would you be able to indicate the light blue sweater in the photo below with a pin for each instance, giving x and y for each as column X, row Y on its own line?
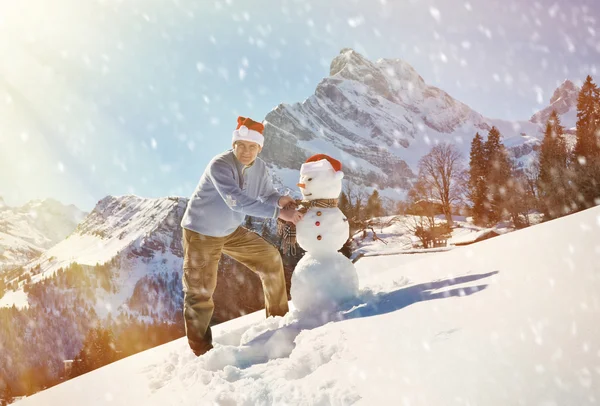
column 226, row 193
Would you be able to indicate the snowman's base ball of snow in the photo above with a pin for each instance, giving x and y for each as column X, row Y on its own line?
column 323, row 283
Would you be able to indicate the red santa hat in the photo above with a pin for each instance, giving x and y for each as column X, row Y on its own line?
column 249, row 130
column 321, row 162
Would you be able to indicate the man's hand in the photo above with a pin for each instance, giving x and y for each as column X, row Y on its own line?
column 290, row 214
column 286, row 202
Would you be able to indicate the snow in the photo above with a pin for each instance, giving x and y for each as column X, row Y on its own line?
column 16, row 298
column 118, row 228
column 27, row 231
column 468, row 235
column 510, row 320
column 322, row 230
column 18, row 248
column 323, row 283
column 134, row 222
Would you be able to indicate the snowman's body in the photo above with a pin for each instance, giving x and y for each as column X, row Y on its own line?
column 322, row 230
column 323, row 278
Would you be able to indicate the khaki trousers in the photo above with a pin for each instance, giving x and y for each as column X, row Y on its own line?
column 201, row 255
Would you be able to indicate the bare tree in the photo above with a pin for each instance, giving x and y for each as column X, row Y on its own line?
column 532, row 175
column 440, row 172
column 463, row 191
column 357, row 198
column 427, row 231
column 421, row 196
column 520, row 196
column 423, row 211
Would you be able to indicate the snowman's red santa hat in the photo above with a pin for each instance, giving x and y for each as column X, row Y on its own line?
column 249, row 130
column 321, row 162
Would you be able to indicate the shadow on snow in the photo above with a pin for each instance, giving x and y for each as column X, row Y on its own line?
column 279, row 342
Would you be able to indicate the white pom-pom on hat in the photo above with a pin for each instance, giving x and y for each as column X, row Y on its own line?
column 243, row 130
column 249, row 130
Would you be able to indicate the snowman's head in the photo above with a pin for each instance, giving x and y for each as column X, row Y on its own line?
column 321, row 178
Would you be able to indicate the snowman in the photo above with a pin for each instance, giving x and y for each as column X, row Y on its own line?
column 324, row 278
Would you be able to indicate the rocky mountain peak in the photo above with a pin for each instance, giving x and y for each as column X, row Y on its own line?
column 348, row 61
column 567, row 90
column 129, row 215
column 564, row 102
column 351, row 65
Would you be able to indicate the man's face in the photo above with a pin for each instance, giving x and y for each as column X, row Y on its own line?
column 246, row 151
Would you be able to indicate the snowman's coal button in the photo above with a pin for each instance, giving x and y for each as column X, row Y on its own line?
column 318, row 223
column 319, row 213
column 319, row 237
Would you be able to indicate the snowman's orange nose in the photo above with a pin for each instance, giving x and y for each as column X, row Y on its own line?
column 301, row 185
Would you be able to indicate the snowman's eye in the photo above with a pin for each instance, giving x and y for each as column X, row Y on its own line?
column 309, row 179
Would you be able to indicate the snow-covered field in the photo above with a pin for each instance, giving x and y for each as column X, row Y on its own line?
column 508, row 321
column 396, row 235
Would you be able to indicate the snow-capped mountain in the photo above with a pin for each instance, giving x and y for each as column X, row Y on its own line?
column 131, row 246
column 122, row 263
column 27, row 231
column 564, row 101
column 379, row 118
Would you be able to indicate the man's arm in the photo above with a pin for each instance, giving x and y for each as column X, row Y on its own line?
column 221, row 176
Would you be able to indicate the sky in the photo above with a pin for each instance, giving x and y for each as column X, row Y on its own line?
column 116, row 97
column 506, row 321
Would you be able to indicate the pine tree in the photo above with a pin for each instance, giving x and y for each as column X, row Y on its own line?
column 553, row 182
column 374, row 206
column 586, row 158
column 477, row 185
column 498, row 173
column 98, row 350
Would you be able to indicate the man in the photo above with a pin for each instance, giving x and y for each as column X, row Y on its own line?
column 236, row 183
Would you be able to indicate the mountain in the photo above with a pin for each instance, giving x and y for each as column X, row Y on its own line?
column 505, row 321
column 564, row 101
column 379, row 118
column 122, row 265
column 27, row 231
column 137, row 243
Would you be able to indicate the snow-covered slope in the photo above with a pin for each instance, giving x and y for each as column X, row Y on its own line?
column 121, row 267
column 135, row 244
column 27, row 231
column 137, row 239
column 379, row 118
column 511, row 320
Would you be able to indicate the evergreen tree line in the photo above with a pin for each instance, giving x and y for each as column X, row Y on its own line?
column 561, row 181
column 359, row 208
column 35, row 364
column 35, row 341
column 495, row 186
column 59, row 324
column 117, row 340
